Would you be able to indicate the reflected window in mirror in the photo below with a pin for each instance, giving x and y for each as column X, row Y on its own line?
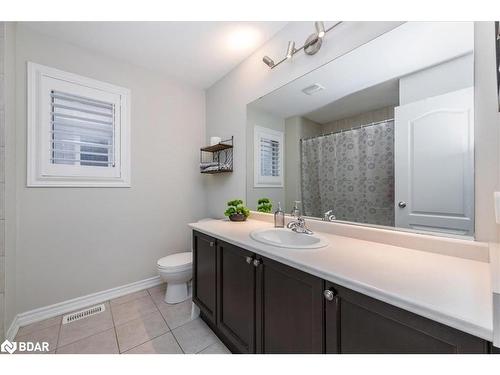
column 268, row 152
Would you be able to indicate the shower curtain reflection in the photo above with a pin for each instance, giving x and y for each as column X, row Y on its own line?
column 352, row 173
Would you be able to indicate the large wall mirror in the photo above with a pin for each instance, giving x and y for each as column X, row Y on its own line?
column 383, row 135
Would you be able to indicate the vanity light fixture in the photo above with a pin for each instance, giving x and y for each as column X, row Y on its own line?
column 268, row 61
column 311, row 46
column 320, row 28
column 290, row 50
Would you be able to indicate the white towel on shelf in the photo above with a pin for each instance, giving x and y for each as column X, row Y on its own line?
column 208, row 164
column 223, row 166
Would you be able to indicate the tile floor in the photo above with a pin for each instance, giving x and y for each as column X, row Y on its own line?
column 137, row 323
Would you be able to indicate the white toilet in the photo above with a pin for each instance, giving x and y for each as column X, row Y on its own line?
column 176, row 271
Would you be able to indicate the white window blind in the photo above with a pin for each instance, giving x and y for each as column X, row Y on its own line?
column 78, row 130
column 82, row 131
column 269, row 157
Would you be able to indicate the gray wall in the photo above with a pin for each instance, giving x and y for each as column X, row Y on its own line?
column 487, row 135
column 358, row 120
column 450, row 76
column 486, row 122
column 10, row 175
column 2, row 182
column 76, row 241
column 296, row 128
column 227, row 100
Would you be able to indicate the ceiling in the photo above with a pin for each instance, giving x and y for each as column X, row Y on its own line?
column 374, row 97
column 196, row 53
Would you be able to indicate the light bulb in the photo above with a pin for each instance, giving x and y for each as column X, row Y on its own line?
column 290, row 50
column 320, row 28
column 268, row 61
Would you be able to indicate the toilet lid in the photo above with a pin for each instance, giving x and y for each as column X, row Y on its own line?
column 176, row 261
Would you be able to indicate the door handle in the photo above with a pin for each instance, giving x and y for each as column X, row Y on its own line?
column 402, row 204
column 329, row 294
column 211, row 244
column 256, row 262
column 249, row 260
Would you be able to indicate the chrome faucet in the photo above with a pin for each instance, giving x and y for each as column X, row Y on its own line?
column 299, row 226
column 329, row 216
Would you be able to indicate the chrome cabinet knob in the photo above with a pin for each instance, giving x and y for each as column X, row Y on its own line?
column 249, row 260
column 256, row 262
column 402, row 204
column 212, row 243
column 329, row 294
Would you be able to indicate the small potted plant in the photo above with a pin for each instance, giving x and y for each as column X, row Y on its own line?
column 264, row 205
column 236, row 211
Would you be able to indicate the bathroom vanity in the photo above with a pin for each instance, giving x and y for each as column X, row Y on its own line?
column 352, row 296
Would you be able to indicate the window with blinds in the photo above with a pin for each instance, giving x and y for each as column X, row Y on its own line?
column 82, row 131
column 78, row 130
column 268, row 157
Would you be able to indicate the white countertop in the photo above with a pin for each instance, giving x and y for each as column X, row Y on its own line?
column 450, row 290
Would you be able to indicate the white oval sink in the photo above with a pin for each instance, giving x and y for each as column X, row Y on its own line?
column 282, row 237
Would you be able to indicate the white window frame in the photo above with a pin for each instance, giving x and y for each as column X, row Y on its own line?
column 40, row 171
column 261, row 181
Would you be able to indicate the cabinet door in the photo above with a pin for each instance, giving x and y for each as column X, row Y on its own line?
column 332, row 319
column 205, row 274
column 366, row 325
column 289, row 310
column 236, row 296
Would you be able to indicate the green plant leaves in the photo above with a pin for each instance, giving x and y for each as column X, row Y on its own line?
column 264, row 205
column 236, row 207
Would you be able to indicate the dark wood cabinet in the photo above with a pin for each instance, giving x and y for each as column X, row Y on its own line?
column 289, row 309
column 257, row 305
column 356, row 323
column 205, row 275
column 236, row 296
column 332, row 319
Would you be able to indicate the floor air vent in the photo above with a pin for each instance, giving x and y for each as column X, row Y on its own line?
column 83, row 314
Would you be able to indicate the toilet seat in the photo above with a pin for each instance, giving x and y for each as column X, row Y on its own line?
column 176, row 262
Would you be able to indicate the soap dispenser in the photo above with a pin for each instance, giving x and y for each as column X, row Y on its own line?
column 279, row 217
column 295, row 210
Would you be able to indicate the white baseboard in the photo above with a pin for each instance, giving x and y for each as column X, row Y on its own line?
column 12, row 331
column 42, row 313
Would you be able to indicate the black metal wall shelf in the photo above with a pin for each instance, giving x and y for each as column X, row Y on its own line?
column 217, row 158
